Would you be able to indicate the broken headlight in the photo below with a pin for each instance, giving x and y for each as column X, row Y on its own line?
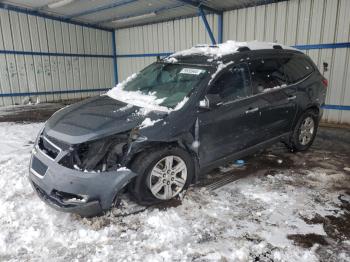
column 97, row 156
column 135, row 136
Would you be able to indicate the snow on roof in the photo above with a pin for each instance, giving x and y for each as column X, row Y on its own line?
column 227, row 48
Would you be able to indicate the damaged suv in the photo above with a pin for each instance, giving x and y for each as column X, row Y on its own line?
column 157, row 131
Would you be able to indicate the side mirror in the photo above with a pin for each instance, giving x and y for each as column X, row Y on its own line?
column 210, row 101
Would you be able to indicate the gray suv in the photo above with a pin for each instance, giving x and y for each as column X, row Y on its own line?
column 158, row 131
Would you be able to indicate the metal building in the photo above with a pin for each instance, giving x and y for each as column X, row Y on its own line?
column 59, row 49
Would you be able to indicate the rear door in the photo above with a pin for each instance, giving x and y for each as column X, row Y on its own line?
column 298, row 69
column 270, row 83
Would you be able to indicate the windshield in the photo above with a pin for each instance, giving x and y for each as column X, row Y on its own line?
column 168, row 84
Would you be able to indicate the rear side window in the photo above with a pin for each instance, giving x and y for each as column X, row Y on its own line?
column 233, row 84
column 296, row 68
column 267, row 74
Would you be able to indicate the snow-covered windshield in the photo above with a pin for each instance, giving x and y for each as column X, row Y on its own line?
column 164, row 85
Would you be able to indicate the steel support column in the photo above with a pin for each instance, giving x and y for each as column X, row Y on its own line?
column 220, row 28
column 205, row 21
column 115, row 64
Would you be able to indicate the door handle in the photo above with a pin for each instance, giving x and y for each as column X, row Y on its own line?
column 290, row 98
column 252, row 110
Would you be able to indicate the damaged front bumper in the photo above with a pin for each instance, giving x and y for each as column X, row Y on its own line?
column 68, row 190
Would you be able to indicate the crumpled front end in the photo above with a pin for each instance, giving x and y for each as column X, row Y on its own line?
column 79, row 179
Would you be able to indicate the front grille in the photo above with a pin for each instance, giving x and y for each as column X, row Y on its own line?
column 58, row 143
column 39, row 167
column 48, row 147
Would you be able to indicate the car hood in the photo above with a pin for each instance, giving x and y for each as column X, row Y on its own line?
column 95, row 118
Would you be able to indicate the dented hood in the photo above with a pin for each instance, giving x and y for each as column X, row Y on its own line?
column 95, row 118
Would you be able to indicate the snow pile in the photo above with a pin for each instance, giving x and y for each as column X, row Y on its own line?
column 136, row 98
column 226, row 48
column 124, row 108
column 171, row 60
column 147, row 102
column 148, row 122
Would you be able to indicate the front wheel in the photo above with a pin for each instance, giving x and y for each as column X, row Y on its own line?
column 304, row 131
column 163, row 175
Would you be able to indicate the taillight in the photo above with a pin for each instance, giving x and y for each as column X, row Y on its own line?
column 325, row 82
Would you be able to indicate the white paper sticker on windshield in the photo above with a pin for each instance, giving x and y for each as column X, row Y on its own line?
column 191, row 71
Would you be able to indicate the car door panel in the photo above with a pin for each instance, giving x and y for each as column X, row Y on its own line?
column 229, row 128
column 270, row 82
column 279, row 114
column 234, row 124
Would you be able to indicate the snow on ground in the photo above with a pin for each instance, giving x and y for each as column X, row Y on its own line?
column 247, row 220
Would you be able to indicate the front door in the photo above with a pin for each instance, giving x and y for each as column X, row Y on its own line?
column 231, row 125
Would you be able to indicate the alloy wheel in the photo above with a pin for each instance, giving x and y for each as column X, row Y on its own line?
column 307, row 130
column 168, row 177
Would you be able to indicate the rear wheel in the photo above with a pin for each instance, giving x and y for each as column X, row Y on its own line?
column 163, row 175
column 304, row 131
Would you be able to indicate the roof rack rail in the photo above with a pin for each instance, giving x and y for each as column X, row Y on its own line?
column 243, row 48
column 206, row 45
column 277, row 47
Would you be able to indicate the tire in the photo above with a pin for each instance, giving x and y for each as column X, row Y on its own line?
column 151, row 168
column 304, row 132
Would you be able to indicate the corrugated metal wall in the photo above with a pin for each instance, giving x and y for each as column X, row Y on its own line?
column 69, row 57
column 159, row 38
column 294, row 22
column 27, row 73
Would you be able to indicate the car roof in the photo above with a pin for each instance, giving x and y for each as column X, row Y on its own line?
column 228, row 51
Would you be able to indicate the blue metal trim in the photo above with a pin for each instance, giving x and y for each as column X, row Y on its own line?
column 139, row 13
column 322, row 46
column 200, row 4
column 101, row 8
column 336, row 107
column 145, row 55
column 14, row 52
column 331, row 107
column 115, row 64
column 205, row 21
column 220, row 28
column 54, row 92
column 57, row 18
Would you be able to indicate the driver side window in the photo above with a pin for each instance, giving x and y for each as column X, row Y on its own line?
column 233, row 84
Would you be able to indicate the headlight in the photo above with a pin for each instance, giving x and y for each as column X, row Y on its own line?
column 99, row 155
column 39, row 134
column 136, row 137
column 37, row 139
